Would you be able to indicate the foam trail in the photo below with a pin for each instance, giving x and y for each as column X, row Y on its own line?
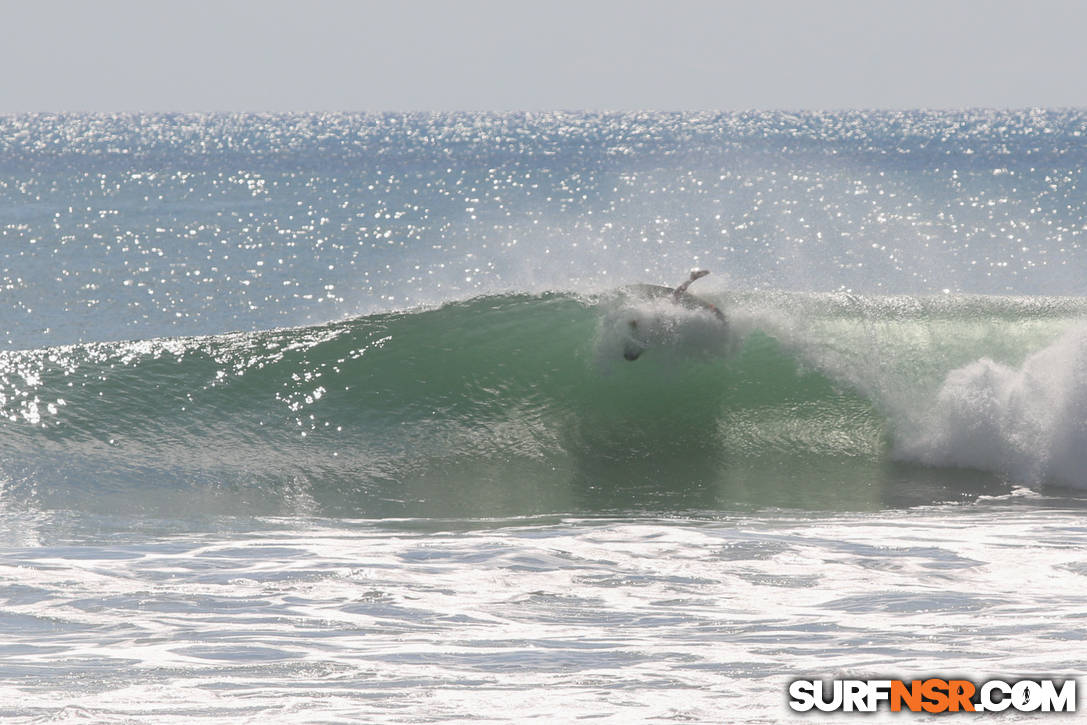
column 1029, row 423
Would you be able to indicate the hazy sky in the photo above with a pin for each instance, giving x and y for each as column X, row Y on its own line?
column 278, row 55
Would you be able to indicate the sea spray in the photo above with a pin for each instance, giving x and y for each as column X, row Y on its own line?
column 1028, row 421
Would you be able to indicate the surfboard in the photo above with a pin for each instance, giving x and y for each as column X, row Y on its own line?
column 688, row 300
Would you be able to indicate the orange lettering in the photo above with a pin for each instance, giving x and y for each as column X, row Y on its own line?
column 910, row 695
column 935, row 691
column 959, row 694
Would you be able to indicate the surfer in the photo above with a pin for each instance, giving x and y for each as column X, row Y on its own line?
column 633, row 348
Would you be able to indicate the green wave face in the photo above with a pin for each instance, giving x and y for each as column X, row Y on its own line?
column 519, row 404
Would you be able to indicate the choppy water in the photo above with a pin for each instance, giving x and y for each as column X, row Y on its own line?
column 327, row 418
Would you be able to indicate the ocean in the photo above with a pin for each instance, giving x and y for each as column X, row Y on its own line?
column 333, row 417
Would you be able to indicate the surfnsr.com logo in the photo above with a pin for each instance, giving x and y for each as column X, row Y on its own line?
column 933, row 695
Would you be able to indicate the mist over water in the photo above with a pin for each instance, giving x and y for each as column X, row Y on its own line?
column 330, row 410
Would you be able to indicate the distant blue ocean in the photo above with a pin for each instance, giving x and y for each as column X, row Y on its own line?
column 395, row 418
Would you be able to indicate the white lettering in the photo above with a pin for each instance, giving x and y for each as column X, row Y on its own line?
column 802, row 693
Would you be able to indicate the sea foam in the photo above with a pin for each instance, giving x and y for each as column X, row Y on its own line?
column 1028, row 422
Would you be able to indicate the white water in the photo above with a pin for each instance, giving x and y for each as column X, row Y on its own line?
column 292, row 620
column 1028, row 421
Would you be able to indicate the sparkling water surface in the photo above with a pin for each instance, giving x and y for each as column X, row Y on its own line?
column 117, row 227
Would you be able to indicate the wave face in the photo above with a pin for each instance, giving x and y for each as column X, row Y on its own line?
column 525, row 403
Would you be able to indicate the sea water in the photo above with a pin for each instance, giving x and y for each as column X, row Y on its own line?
column 325, row 417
